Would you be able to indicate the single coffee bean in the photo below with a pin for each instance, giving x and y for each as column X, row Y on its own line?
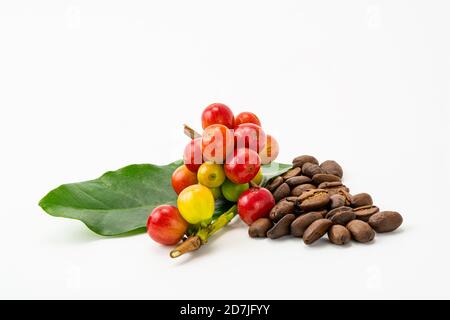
column 364, row 213
column 302, row 223
column 316, row 231
column 282, row 228
column 299, row 190
column 336, row 201
column 292, row 199
column 310, row 169
column 335, row 184
column 346, row 195
column 323, row 177
column 275, row 183
column 339, row 235
column 300, row 161
column 314, row 199
column 292, row 173
column 281, row 192
column 361, row 231
column 298, row 180
column 332, row 167
column 281, row 209
column 259, row 228
column 342, row 215
column 333, row 187
column 361, row 200
column 386, row 221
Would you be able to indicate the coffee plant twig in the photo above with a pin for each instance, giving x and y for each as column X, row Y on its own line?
column 202, row 236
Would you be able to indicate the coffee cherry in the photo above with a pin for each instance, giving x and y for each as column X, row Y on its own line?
column 166, row 226
column 259, row 178
column 251, row 136
column 246, row 117
column 232, row 191
column 193, row 155
column 270, row 151
column 211, row 175
column 216, row 192
column 217, row 143
column 217, row 113
column 254, row 204
column 182, row 178
column 196, row 204
column 243, row 166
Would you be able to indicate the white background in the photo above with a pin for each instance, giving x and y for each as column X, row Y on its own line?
column 91, row 86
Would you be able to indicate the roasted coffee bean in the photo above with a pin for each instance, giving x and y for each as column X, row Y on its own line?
column 314, row 199
column 316, row 231
column 361, row 200
column 323, row 213
column 364, row 213
column 292, row 199
column 299, row 190
column 310, row 169
column 282, row 208
column 281, row 192
column 302, row 223
column 333, row 187
column 296, row 181
column 323, row 177
column 342, row 215
column 275, row 183
column 339, row 235
column 336, row 201
column 346, row 195
column 332, row 167
column 259, row 228
column 300, row 161
column 292, row 173
column 361, row 231
column 386, row 221
column 282, row 228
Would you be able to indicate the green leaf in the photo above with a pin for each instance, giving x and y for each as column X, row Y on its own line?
column 273, row 170
column 116, row 203
column 120, row 201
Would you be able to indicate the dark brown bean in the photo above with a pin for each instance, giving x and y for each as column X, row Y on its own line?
column 259, row 228
column 281, row 192
column 386, row 221
column 339, row 235
column 336, row 201
column 347, row 196
column 299, row 190
column 274, row 184
column 364, row 213
column 314, row 199
column 292, row 173
column 361, row 231
column 342, row 215
column 282, row 228
column 310, row 169
column 323, row 177
column 361, row 200
column 282, row 208
column 316, row 231
column 300, row 161
column 296, row 181
column 302, row 223
column 332, row 167
column 333, row 187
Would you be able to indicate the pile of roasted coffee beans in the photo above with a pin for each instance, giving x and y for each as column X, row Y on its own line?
column 311, row 201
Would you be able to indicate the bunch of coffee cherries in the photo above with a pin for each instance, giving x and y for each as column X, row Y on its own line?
column 223, row 162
